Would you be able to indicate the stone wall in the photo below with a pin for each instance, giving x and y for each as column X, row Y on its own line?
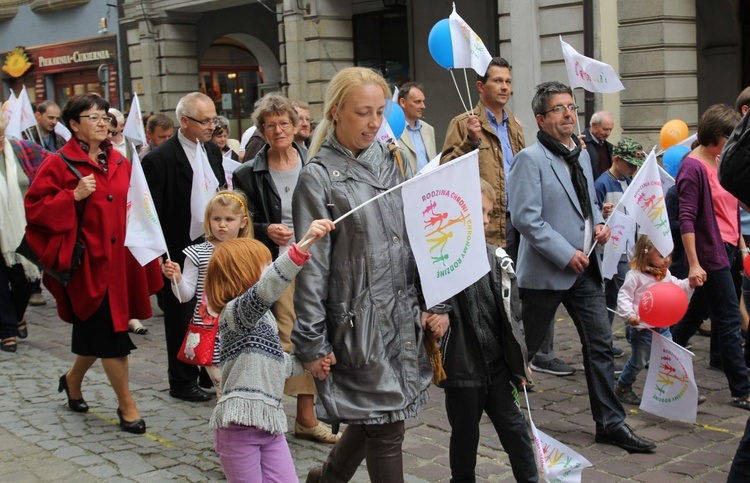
column 657, row 66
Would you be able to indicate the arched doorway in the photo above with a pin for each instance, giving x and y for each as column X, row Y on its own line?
column 230, row 74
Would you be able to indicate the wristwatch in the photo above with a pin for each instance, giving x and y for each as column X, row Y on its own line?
column 745, row 250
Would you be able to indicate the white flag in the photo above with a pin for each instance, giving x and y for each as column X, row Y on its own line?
column 556, row 461
column 644, row 202
column 204, row 187
column 622, row 229
column 443, row 212
column 688, row 141
column 667, row 181
column 670, row 390
column 434, row 163
column 134, row 124
column 62, row 130
column 28, row 120
column 229, row 165
column 13, row 113
column 385, row 132
column 592, row 75
column 468, row 49
column 143, row 234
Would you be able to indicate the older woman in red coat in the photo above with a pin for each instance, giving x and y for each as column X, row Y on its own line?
column 109, row 287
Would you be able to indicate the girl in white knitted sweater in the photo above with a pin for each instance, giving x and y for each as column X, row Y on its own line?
column 249, row 420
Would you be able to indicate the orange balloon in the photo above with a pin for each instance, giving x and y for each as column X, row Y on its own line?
column 672, row 133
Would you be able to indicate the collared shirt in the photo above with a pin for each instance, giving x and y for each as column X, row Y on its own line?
column 501, row 130
column 416, row 138
column 189, row 147
column 122, row 147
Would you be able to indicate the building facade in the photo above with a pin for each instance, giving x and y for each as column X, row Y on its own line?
column 675, row 57
column 58, row 48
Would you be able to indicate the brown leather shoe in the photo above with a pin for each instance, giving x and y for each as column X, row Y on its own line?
column 313, row 476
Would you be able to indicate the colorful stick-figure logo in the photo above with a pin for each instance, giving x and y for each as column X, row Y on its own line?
column 672, row 380
column 447, row 229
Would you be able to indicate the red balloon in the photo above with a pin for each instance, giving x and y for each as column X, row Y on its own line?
column 746, row 265
column 662, row 305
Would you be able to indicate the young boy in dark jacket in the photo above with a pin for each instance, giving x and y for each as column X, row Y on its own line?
column 484, row 357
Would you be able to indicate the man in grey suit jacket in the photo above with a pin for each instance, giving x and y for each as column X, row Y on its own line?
column 552, row 201
column 418, row 138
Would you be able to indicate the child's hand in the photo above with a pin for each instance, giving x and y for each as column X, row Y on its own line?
column 634, row 321
column 321, row 367
column 318, row 229
column 437, row 323
column 172, row 271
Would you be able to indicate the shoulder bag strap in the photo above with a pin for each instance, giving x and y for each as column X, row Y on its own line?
column 83, row 203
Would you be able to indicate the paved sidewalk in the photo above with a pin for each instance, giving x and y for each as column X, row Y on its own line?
column 42, row 440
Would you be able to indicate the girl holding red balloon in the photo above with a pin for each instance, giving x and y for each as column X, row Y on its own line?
column 650, row 299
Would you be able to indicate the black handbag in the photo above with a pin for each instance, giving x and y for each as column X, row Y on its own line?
column 62, row 276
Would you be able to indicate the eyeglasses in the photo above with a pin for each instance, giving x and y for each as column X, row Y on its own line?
column 272, row 127
column 207, row 122
column 562, row 109
column 96, row 119
column 113, row 133
column 305, row 119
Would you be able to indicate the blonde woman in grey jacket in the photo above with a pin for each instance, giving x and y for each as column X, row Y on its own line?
column 356, row 301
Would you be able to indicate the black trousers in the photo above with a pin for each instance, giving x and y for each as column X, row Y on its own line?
column 176, row 319
column 465, row 405
column 15, row 291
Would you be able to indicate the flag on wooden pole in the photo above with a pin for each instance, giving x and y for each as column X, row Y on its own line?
column 229, row 165
column 469, row 52
column 644, row 202
column 622, row 229
column 591, row 74
column 143, row 233
column 670, row 390
column 203, row 188
column 134, row 124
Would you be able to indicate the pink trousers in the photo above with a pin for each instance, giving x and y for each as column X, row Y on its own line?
column 250, row 454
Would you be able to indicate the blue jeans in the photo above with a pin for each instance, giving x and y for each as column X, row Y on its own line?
column 640, row 342
column 584, row 302
column 718, row 290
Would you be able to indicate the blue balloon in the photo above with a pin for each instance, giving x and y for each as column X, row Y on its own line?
column 673, row 158
column 395, row 117
column 440, row 45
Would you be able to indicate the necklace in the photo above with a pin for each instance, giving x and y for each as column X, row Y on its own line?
column 283, row 175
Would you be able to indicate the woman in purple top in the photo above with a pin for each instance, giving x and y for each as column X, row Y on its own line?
column 706, row 253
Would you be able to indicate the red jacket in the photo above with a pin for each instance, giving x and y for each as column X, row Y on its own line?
column 107, row 266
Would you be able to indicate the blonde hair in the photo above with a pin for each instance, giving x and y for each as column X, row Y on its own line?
column 235, row 266
column 487, row 189
column 640, row 254
column 235, row 201
column 337, row 93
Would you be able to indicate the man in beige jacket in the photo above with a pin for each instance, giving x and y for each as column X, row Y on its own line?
column 492, row 129
column 418, row 138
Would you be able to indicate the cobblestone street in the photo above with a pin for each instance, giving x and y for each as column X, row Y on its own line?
column 42, row 440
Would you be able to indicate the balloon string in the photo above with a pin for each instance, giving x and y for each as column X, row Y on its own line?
column 468, row 91
column 459, row 92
